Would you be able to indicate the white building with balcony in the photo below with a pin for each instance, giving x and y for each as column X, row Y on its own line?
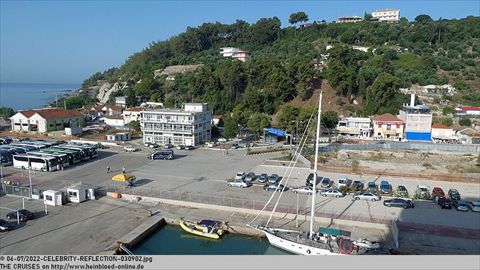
column 387, row 15
column 358, row 127
column 188, row 126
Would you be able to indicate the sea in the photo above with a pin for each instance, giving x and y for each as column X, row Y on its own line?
column 24, row 96
column 172, row 240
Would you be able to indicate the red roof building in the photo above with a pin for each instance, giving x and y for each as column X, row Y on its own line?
column 45, row 120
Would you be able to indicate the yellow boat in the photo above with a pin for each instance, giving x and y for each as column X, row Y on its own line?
column 205, row 228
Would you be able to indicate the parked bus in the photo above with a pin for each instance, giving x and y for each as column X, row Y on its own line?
column 85, row 153
column 61, row 158
column 13, row 150
column 74, row 156
column 90, row 149
column 4, row 140
column 162, row 154
column 35, row 144
column 27, row 147
column 6, row 158
column 39, row 163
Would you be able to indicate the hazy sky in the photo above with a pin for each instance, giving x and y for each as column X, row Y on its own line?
column 67, row 41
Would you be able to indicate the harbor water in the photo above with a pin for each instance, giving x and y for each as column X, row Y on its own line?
column 23, row 96
column 172, row 240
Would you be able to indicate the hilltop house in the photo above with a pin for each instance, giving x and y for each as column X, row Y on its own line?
column 236, row 53
column 45, row 120
column 386, row 15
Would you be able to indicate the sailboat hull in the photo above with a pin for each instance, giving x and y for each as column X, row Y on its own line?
column 296, row 248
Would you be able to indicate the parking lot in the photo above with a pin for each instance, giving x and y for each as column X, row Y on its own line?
column 203, row 172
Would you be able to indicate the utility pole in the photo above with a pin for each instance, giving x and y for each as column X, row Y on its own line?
column 30, row 179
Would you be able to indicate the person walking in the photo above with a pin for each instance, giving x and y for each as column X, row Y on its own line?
column 108, row 169
column 123, row 169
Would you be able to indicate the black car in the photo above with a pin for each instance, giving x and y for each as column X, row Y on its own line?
column 189, row 147
column 5, row 225
column 399, row 203
column 460, row 205
column 444, row 203
column 310, row 177
column 454, row 194
column 23, row 214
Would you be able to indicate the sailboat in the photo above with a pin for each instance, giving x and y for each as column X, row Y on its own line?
column 312, row 242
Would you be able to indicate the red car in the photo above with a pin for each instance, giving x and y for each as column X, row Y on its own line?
column 438, row 192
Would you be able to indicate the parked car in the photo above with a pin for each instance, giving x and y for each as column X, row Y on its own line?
column 168, row 146
column 250, row 177
column 130, row 148
column 372, row 187
column 444, row 203
column 460, row 205
column 240, row 176
column 211, row 144
column 180, row 147
column 272, row 179
column 239, row 183
column 189, row 147
column 385, row 187
column 342, row 182
column 474, row 206
column 438, row 192
column 398, row 203
column 269, row 187
column 24, row 215
column 401, row 191
column 235, row 146
column 222, row 140
column 333, row 192
column 422, row 193
column 325, row 183
column 453, row 194
column 309, row 180
column 357, row 185
column 262, row 178
column 303, row 190
column 367, row 196
column 151, row 145
column 5, row 226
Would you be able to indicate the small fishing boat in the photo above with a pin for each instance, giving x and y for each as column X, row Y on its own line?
column 205, row 228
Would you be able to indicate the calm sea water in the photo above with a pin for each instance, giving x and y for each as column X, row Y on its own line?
column 22, row 96
column 172, row 240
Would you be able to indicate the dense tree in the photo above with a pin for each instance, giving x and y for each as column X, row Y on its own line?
column 230, row 127
column 466, row 122
column 330, row 119
column 423, row 18
column 381, row 95
column 298, row 17
column 135, row 125
column 6, row 112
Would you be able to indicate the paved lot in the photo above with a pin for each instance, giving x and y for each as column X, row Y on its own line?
column 202, row 173
column 87, row 228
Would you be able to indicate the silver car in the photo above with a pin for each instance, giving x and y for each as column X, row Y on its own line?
column 239, row 183
column 332, row 193
column 240, row 176
column 474, row 206
column 303, row 190
column 367, row 196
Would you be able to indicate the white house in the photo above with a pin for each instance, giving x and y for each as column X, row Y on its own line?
column 45, row 120
column 355, row 126
column 121, row 101
column 470, row 111
column 349, row 19
column 132, row 114
column 235, row 53
column 386, row 15
column 469, row 136
column 114, row 120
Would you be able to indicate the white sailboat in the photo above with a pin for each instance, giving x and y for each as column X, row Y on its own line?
column 312, row 243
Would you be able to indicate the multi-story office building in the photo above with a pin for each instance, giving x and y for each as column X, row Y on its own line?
column 188, row 126
column 418, row 121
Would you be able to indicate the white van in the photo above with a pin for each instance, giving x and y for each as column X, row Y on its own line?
column 342, row 182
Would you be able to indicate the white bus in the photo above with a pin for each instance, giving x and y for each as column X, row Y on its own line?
column 61, row 158
column 35, row 162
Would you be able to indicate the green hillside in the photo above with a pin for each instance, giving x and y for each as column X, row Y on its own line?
column 282, row 65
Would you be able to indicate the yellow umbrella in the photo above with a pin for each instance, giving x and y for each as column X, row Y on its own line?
column 123, row 177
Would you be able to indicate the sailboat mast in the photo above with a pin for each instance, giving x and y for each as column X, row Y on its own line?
column 315, row 165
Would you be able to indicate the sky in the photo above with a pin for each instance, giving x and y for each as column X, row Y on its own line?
column 67, row 41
